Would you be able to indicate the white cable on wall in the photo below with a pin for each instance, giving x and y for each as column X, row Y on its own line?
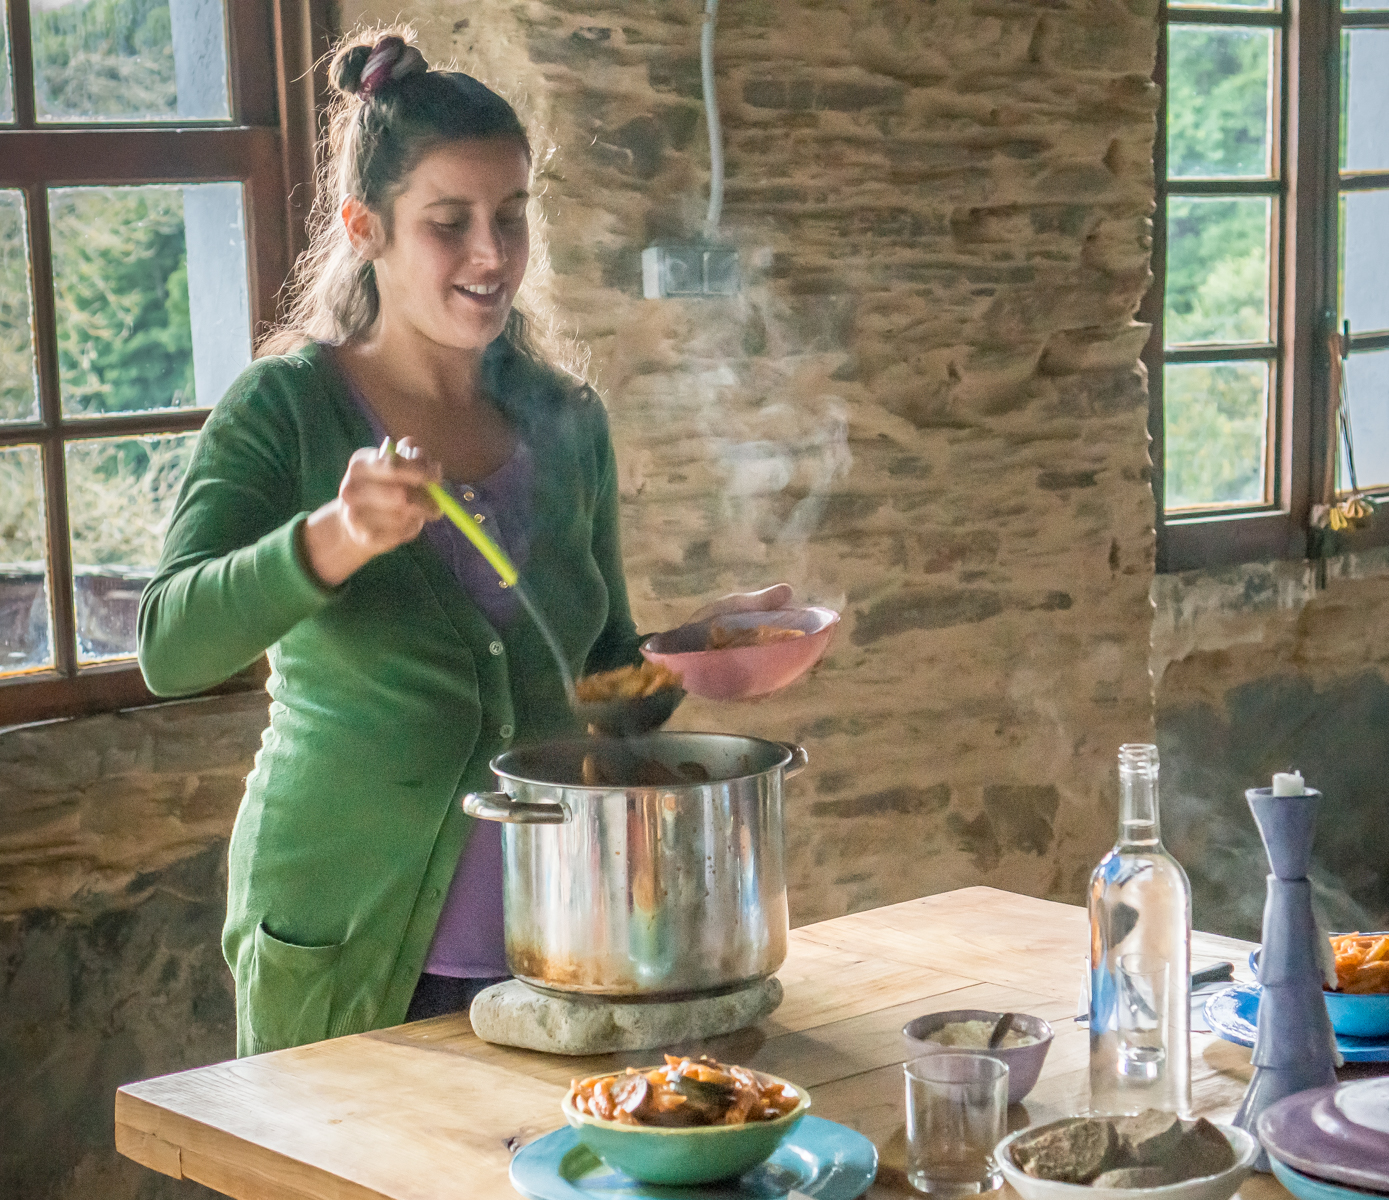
column 711, row 114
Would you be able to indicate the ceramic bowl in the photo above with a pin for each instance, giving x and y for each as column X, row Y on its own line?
column 1364, row 1015
column 1307, row 1187
column 1024, row 1062
column 1204, row 1187
column 684, row 1157
column 741, row 672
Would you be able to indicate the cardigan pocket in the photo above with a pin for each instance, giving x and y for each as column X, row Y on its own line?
column 289, row 997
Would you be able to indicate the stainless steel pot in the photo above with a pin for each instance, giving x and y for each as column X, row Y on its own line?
column 641, row 890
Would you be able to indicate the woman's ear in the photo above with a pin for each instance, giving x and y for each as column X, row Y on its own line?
column 364, row 229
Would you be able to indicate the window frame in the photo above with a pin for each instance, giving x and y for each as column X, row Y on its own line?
column 1302, row 446
column 277, row 87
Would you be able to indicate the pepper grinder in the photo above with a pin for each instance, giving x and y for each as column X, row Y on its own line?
column 1295, row 1048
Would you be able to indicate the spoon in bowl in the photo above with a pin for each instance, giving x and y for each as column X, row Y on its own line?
column 616, row 717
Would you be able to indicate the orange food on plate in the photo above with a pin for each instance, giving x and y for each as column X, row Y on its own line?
column 626, row 683
column 1362, row 963
column 684, row 1092
column 723, row 637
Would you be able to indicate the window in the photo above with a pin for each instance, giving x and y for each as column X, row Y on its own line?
column 147, row 150
column 1270, row 235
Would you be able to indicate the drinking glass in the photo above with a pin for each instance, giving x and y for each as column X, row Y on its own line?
column 1142, row 1016
column 957, row 1104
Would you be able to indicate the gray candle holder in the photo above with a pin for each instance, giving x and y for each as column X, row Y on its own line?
column 1294, row 1048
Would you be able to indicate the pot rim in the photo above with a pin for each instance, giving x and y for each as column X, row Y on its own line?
column 788, row 755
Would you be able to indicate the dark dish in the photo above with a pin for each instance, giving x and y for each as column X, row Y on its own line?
column 683, row 1093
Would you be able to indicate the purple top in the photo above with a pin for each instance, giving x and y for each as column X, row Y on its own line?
column 469, row 940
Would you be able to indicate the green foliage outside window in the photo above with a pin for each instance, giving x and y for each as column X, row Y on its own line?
column 104, row 59
column 1218, row 263
column 120, row 292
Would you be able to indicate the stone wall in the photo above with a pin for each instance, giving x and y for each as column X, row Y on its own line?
column 1259, row 669
column 113, row 838
column 924, row 406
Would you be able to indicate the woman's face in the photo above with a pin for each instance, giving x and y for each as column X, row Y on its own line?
column 459, row 244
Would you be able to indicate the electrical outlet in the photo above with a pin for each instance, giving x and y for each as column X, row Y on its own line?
column 690, row 269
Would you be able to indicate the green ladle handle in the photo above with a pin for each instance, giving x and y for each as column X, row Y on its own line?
column 473, row 532
column 465, row 521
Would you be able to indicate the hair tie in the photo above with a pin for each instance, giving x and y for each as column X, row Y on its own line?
column 390, row 59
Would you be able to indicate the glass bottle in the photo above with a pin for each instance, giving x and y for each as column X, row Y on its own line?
column 1140, row 957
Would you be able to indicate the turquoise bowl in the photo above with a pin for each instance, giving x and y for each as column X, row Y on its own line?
column 1364, row 1015
column 684, row 1157
column 1304, row 1187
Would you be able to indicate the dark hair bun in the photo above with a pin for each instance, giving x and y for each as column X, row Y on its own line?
column 346, row 72
column 365, row 71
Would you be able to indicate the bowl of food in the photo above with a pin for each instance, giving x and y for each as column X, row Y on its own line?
column 685, row 1122
column 1153, row 1154
column 1359, row 1007
column 734, row 656
column 1024, row 1047
column 1359, row 1004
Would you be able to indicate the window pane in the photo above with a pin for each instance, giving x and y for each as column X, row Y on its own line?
column 150, row 288
column 121, row 494
column 1365, row 260
column 1364, row 100
column 26, row 640
column 1218, row 88
column 18, row 384
column 1217, row 270
column 1216, row 422
column 132, row 60
column 6, row 91
column 1367, row 385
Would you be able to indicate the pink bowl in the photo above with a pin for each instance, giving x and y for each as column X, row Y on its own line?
column 744, row 671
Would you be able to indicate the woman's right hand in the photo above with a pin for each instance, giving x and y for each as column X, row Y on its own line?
column 381, row 504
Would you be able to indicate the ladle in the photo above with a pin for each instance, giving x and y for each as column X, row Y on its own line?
column 616, row 718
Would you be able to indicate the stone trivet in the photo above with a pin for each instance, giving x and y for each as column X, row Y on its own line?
column 515, row 1014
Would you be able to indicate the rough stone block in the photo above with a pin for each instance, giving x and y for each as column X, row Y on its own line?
column 515, row 1014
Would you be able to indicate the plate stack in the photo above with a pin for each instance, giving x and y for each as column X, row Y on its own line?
column 1331, row 1143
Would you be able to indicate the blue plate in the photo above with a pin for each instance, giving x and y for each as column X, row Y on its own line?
column 821, row 1158
column 1233, row 1013
column 1304, row 1187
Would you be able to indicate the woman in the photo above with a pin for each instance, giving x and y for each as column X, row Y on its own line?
column 399, row 664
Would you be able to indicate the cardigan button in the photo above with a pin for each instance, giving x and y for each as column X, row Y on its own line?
column 506, row 731
column 495, row 648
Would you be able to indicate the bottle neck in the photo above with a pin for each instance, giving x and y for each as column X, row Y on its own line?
column 1138, row 797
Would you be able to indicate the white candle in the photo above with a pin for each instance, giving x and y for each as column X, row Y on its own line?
column 1288, row 783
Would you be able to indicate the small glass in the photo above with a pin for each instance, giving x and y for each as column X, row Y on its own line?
column 957, row 1106
column 1142, row 1016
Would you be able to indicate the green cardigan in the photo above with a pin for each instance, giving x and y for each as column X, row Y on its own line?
column 389, row 694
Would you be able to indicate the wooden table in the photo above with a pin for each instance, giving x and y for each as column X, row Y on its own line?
column 426, row 1111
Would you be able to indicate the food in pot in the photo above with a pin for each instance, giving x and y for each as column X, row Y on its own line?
column 626, row 683
column 1362, row 963
column 683, row 1092
column 1151, row 1149
column 974, row 1035
column 724, row 637
column 629, row 770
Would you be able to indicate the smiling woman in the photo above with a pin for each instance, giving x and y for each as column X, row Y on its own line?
column 360, row 894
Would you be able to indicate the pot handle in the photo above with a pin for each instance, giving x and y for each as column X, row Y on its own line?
column 498, row 806
column 799, row 759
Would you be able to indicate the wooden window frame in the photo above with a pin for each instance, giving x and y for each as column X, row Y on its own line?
column 275, row 49
column 1302, row 431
